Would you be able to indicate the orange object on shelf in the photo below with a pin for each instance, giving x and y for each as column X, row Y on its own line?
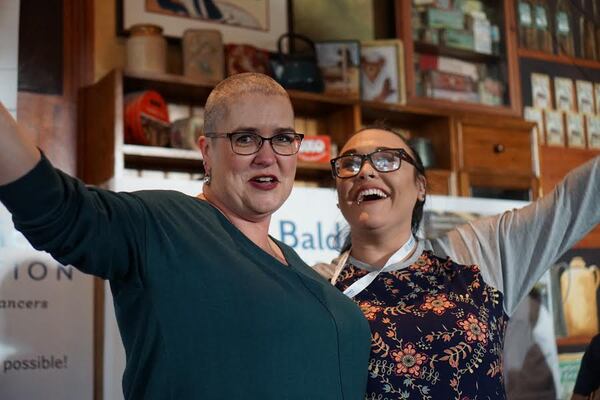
column 315, row 149
column 146, row 119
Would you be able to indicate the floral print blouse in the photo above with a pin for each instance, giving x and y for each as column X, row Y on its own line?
column 437, row 331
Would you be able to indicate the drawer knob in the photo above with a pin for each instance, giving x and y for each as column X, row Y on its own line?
column 499, row 148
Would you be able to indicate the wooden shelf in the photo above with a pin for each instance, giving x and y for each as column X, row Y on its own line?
column 160, row 152
column 574, row 341
column 466, row 55
column 174, row 87
column 555, row 58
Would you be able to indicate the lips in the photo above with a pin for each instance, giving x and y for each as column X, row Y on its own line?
column 370, row 194
column 264, row 182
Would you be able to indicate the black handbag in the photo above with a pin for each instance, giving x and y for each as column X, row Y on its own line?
column 298, row 71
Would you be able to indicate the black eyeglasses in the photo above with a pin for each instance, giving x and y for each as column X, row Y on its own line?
column 384, row 160
column 247, row 143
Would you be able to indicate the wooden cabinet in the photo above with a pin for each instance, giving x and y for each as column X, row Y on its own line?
column 423, row 28
column 497, row 155
column 463, row 146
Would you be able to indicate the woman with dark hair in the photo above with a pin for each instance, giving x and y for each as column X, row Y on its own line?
column 438, row 308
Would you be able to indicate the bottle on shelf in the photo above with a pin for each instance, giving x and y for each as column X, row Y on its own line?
column 564, row 29
column 526, row 25
column 542, row 28
column 587, row 35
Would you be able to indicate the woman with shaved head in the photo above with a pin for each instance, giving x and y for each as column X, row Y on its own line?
column 209, row 306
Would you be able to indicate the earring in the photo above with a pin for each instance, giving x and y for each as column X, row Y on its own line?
column 206, row 178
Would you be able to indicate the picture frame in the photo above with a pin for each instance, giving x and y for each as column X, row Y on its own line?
column 585, row 97
column 575, row 130
column 382, row 71
column 564, row 94
column 541, row 93
column 258, row 23
column 554, row 128
column 339, row 62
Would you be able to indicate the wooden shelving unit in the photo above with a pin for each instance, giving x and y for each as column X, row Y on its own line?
column 103, row 153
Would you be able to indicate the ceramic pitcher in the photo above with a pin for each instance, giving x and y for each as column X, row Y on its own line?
column 578, row 289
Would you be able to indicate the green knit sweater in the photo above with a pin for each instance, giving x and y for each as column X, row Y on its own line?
column 203, row 312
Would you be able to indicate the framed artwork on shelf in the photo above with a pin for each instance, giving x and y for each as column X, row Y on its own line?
column 585, row 97
column 554, row 127
column 575, row 130
column 564, row 94
column 258, row 22
column 540, row 91
column 339, row 62
column 382, row 71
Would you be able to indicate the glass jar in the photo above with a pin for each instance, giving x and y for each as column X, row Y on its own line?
column 146, row 49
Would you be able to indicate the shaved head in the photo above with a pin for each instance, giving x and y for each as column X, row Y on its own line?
column 233, row 88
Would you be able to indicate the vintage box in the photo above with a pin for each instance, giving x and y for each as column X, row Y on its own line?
column 575, row 130
column 443, row 19
column 585, row 97
column 447, row 64
column 564, row 94
column 536, row 115
column 315, row 149
column 457, row 38
column 592, row 124
column 554, row 128
column 541, row 94
column 448, row 81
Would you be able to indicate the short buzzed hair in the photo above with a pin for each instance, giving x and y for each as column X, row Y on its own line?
column 232, row 88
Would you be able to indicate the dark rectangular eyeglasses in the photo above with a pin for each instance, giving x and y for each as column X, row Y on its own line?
column 247, row 143
column 383, row 160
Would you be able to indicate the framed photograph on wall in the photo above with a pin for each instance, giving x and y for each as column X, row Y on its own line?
column 382, row 71
column 257, row 22
column 339, row 62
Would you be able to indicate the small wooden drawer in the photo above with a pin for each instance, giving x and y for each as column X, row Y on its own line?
column 489, row 149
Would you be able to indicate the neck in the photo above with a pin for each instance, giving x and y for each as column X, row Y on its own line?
column 375, row 248
column 256, row 230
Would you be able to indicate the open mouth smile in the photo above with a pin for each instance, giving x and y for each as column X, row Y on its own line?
column 371, row 195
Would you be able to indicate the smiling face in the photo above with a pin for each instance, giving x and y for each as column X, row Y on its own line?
column 254, row 186
column 379, row 201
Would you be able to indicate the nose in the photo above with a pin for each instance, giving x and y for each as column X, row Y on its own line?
column 265, row 156
column 367, row 171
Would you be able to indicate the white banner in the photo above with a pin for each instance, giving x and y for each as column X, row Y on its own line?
column 46, row 323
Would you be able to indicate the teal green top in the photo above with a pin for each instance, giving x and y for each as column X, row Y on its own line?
column 203, row 312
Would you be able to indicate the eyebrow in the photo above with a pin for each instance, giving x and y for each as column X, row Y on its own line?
column 254, row 129
column 353, row 151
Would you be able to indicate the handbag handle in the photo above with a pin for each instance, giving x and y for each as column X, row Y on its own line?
column 294, row 36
